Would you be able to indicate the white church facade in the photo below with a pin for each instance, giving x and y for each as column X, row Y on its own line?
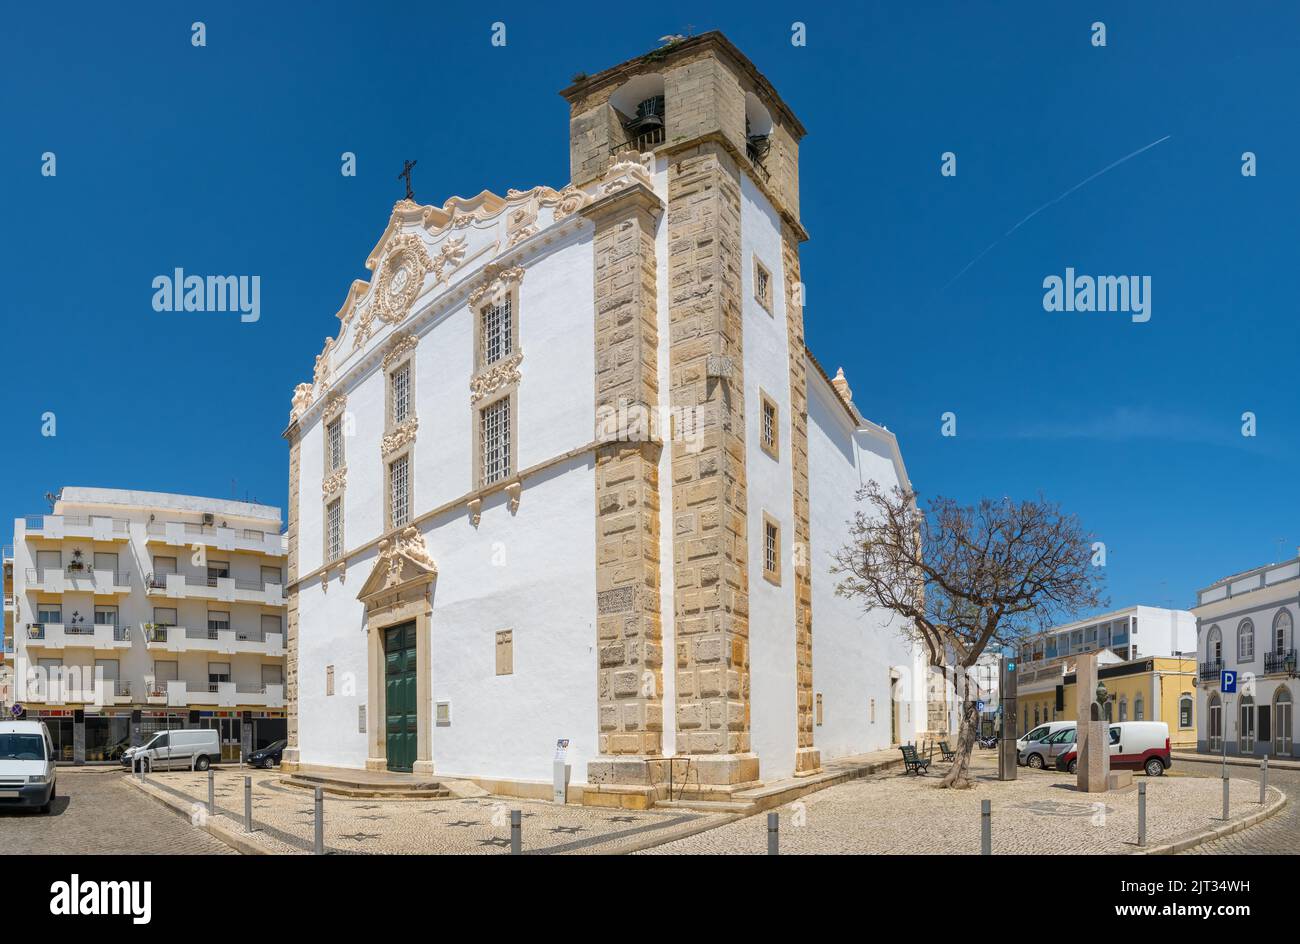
column 567, row 471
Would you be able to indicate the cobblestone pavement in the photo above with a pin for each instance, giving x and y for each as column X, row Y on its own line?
column 1037, row 813
column 284, row 820
column 1277, row 835
column 96, row 813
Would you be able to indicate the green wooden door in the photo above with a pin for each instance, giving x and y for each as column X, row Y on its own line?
column 399, row 694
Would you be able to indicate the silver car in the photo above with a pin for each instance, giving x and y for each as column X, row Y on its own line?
column 1033, row 749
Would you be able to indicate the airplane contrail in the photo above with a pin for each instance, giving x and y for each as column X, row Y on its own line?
column 1052, row 202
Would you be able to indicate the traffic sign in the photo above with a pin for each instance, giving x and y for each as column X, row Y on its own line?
column 1228, row 682
column 979, row 706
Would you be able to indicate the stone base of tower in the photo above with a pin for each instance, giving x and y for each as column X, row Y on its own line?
column 807, row 761
column 640, row 782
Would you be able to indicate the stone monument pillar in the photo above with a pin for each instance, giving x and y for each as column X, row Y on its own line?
column 1093, row 730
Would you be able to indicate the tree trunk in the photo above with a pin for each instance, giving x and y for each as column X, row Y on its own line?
column 967, row 732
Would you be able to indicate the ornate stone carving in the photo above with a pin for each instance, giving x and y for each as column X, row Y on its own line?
column 410, row 544
column 334, row 405
column 628, row 168
column 399, row 282
column 492, row 378
column 497, row 280
column 334, row 482
column 323, row 370
column 514, row 490
column 302, row 397
column 402, row 434
column 519, row 235
column 399, row 347
column 475, row 506
column 567, row 201
column 451, row 254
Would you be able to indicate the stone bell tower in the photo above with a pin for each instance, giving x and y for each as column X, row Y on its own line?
column 710, row 120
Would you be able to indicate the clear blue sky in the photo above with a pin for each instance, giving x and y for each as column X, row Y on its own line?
column 225, row 160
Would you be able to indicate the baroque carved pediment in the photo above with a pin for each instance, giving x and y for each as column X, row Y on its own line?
column 402, row 561
column 399, row 347
column 402, row 434
column 492, row 378
column 334, row 482
column 399, row 282
column 497, row 280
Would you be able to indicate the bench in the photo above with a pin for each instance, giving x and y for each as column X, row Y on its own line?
column 912, row 762
column 947, row 752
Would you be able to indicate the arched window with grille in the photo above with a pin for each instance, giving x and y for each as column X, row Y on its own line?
column 1139, row 709
column 1185, row 710
column 1214, row 645
column 1123, row 707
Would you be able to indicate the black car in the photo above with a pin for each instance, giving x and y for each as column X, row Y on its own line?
column 268, row 756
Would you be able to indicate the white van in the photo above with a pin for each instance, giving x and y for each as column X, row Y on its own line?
column 1134, row 745
column 27, row 771
column 1032, row 750
column 197, row 749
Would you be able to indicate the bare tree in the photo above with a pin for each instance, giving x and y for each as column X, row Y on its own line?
column 964, row 577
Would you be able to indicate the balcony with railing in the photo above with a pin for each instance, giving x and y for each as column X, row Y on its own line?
column 219, row 640
column 78, row 579
column 188, row 533
column 90, row 527
column 1280, row 662
column 225, row 694
column 1210, row 670
column 78, row 636
column 219, row 589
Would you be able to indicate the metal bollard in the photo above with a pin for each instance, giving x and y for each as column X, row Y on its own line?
column 1263, row 779
column 211, row 806
column 248, row 804
column 516, row 832
column 1142, row 814
column 320, row 822
column 773, row 833
column 1225, row 798
column 986, row 827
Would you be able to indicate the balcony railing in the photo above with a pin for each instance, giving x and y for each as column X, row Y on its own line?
column 1211, row 670
column 35, row 630
column 1281, row 661
column 121, row 689
column 156, row 582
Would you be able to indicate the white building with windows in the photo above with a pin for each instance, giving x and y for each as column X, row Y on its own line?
column 136, row 612
column 567, row 472
column 1246, row 623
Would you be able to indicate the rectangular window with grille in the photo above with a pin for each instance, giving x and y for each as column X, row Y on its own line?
column 771, row 550
column 769, row 429
column 495, row 432
column 399, row 491
column 334, row 437
column 401, row 383
column 334, row 529
column 496, row 339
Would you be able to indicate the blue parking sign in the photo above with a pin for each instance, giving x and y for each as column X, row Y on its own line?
column 979, row 706
column 1228, row 682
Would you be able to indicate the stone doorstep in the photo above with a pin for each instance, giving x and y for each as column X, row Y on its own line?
column 1236, row 761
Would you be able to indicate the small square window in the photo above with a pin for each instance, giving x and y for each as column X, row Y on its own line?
column 762, row 286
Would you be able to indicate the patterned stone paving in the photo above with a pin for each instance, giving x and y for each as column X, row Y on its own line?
column 1037, row 813
column 285, row 823
column 1277, row 835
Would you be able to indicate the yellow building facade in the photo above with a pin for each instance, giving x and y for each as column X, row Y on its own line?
column 1155, row 689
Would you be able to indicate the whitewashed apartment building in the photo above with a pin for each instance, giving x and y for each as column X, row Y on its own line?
column 1247, row 623
column 567, row 472
column 136, row 612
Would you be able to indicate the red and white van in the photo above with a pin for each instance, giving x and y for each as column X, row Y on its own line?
column 1134, row 745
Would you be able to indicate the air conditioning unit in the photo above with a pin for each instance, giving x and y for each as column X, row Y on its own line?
column 209, row 519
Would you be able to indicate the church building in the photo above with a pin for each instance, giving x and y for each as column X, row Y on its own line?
column 568, row 475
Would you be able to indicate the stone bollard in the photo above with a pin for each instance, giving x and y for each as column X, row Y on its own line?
column 320, row 822
column 773, row 833
column 1142, row 814
column 211, row 806
column 248, row 804
column 1225, row 798
column 1263, row 779
column 986, row 827
column 516, row 832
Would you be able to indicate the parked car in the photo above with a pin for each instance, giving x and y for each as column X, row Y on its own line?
column 268, row 756
column 28, row 775
column 1030, row 749
column 176, row 749
column 1134, row 745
